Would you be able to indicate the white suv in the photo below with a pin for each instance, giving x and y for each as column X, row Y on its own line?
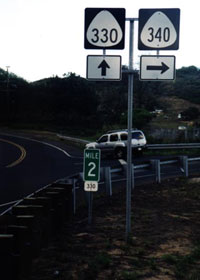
column 115, row 142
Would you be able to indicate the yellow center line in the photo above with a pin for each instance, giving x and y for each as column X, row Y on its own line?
column 22, row 156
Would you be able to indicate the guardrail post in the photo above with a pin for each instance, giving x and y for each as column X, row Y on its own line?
column 66, row 191
column 21, row 249
column 156, row 168
column 36, row 223
column 9, row 267
column 184, row 165
column 90, row 206
column 33, row 227
column 74, row 195
column 47, row 219
column 108, row 182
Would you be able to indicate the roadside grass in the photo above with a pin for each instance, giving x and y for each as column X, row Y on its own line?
column 181, row 266
column 185, row 267
column 127, row 275
column 101, row 261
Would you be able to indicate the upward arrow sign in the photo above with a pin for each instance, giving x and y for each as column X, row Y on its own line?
column 103, row 65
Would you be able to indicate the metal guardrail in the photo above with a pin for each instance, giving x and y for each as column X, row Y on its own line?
column 33, row 220
column 109, row 174
column 181, row 161
column 148, row 146
column 29, row 225
column 173, row 146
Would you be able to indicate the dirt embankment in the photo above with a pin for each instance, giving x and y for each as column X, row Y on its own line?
column 164, row 244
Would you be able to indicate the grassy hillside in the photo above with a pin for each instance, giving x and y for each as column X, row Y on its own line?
column 172, row 107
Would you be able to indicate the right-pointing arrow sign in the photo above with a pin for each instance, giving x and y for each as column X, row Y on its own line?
column 157, row 67
column 163, row 67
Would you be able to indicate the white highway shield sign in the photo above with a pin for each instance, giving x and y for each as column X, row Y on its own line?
column 104, row 28
column 103, row 68
column 157, row 67
column 90, row 186
column 158, row 29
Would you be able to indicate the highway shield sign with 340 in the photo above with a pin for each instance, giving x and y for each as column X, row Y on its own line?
column 158, row 29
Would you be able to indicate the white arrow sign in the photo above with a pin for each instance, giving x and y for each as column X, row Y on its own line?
column 157, row 67
column 103, row 68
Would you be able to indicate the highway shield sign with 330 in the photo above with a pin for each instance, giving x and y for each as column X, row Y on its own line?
column 104, row 28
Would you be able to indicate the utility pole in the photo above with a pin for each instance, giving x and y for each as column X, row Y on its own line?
column 7, row 67
column 8, row 91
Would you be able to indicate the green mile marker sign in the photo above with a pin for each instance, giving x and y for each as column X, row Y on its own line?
column 91, row 168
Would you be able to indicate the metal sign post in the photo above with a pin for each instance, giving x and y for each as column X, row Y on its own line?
column 90, row 200
column 91, row 172
column 130, row 180
column 105, row 29
column 158, row 29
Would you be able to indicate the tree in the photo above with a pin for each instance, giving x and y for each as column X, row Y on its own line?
column 192, row 113
column 141, row 118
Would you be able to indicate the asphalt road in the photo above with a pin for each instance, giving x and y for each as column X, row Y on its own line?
column 27, row 165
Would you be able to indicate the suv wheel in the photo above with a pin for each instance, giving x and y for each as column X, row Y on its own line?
column 119, row 153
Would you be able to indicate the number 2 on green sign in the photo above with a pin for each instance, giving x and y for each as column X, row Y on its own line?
column 93, row 166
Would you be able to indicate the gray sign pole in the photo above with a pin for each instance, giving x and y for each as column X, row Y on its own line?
column 130, row 179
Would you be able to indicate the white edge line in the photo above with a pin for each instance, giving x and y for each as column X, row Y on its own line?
column 45, row 143
column 9, row 203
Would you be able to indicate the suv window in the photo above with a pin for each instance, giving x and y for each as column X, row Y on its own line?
column 137, row 135
column 103, row 139
column 113, row 137
column 124, row 136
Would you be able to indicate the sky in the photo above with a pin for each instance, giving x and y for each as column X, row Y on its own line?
column 45, row 38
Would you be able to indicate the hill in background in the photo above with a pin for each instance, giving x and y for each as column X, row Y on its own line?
column 77, row 105
column 172, row 114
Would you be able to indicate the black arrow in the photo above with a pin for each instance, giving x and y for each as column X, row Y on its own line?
column 103, row 65
column 163, row 68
